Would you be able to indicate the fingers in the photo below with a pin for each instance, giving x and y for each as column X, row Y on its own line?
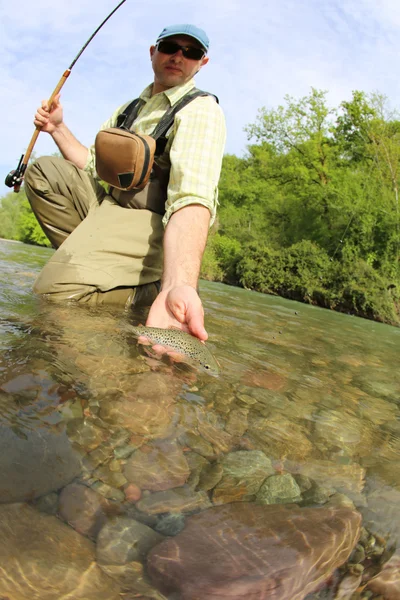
column 41, row 118
column 180, row 307
column 54, row 104
column 46, row 116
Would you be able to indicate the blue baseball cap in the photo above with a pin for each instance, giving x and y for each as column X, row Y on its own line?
column 195, row 32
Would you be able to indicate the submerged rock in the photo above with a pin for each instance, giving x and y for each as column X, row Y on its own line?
column 246, row 551
column 41, row 558
column 83, row 509
column 157, row 468
column 35, row 462
column 279, row 489
column 123, row 540
column 243, row 474
column 387, row 582
column 177, row 500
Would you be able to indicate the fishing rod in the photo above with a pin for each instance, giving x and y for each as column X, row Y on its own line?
column 14, row 178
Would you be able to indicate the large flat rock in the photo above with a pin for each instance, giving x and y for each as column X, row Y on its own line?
column 243, row 551
column 41, row 558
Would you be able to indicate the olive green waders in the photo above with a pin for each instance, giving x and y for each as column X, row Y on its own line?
column 106, row 253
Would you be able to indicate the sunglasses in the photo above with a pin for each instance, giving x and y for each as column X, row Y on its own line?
column 187, row 51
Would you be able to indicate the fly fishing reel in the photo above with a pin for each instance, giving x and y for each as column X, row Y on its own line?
column 15, row 177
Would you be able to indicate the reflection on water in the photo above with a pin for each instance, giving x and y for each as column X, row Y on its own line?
column 123, row 476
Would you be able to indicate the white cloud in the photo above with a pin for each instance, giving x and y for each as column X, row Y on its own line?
column 260, row 51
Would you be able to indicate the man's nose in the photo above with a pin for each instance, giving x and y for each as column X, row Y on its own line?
column 178, row 54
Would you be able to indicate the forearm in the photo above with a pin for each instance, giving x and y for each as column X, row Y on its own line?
column 184, row 243
column 69, row 146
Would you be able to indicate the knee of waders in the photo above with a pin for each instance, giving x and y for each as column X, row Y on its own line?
column 37, row 169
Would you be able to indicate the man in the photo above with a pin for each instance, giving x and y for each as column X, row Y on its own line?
column 113, row 248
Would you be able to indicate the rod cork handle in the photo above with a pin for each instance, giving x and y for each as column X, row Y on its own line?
column 35, row 135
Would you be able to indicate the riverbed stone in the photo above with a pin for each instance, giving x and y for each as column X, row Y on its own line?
column 132, row 492
column 337, row 429
column 230, row 489
column 210, row 476
column 197, row 444
column 122, row 540
column 176, row 500
column 41, row 558
column 131, row 577
column 196, row 464
column 35, row 461
column 112, row 478
column 279, row 489
column 387, row 582
column 317, row 494
column 265, row 379
column 253, row 464
column 108, row 491
column 83, row 508
column 243, row 473
column 382, row 513
column 243, row 550
column 213, row 433
column 237, row 423
column 349, row 478
column 148, row 409
column 170, row 524
column 377, row 410
column 348, row 586
column 279, row 437
column 47, row 504
column 157, row 467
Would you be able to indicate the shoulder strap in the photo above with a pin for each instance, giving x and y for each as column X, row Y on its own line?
column 167, row 120
column 126, row 118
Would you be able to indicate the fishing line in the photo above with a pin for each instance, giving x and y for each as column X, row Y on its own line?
column 14, row 178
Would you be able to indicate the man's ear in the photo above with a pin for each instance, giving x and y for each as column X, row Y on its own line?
column 204, row 60
column 152, row 50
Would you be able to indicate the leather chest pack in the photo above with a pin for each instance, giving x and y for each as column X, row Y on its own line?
column 124, row 159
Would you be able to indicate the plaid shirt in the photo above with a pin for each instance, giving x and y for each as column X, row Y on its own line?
column 194, row 149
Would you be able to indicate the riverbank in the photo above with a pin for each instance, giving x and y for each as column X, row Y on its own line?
column 305, row 273
column 306, row 276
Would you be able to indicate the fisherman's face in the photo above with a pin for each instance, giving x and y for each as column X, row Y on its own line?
column 174, row 69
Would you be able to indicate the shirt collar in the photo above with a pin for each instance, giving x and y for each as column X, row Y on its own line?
column 173, row 95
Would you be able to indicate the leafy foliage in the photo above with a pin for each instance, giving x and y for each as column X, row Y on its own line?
column 311, row 212
column 314, row 206
column 17, row 221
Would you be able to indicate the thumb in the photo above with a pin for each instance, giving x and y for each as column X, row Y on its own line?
column 56, row 101
column 195, row 324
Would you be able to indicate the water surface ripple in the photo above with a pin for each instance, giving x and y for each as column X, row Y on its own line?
column 126, row 476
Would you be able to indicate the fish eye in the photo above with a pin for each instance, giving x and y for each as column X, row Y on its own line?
column 207, row 366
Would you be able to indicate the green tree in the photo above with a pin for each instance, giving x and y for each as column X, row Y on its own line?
column 368, row 133
column 17, row 221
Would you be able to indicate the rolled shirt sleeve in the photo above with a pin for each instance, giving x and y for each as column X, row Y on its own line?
column 196, row 146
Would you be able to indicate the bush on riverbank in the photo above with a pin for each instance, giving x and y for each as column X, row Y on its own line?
column 17, row 221
column 304, row 272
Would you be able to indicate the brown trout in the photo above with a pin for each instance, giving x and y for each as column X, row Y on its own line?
column 181, row 342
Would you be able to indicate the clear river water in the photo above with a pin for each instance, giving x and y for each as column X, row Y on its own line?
column 126, row 476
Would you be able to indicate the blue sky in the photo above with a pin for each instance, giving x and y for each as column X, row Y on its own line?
column 260, row 51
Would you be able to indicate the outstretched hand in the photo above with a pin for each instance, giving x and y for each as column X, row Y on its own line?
column 178, row 307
